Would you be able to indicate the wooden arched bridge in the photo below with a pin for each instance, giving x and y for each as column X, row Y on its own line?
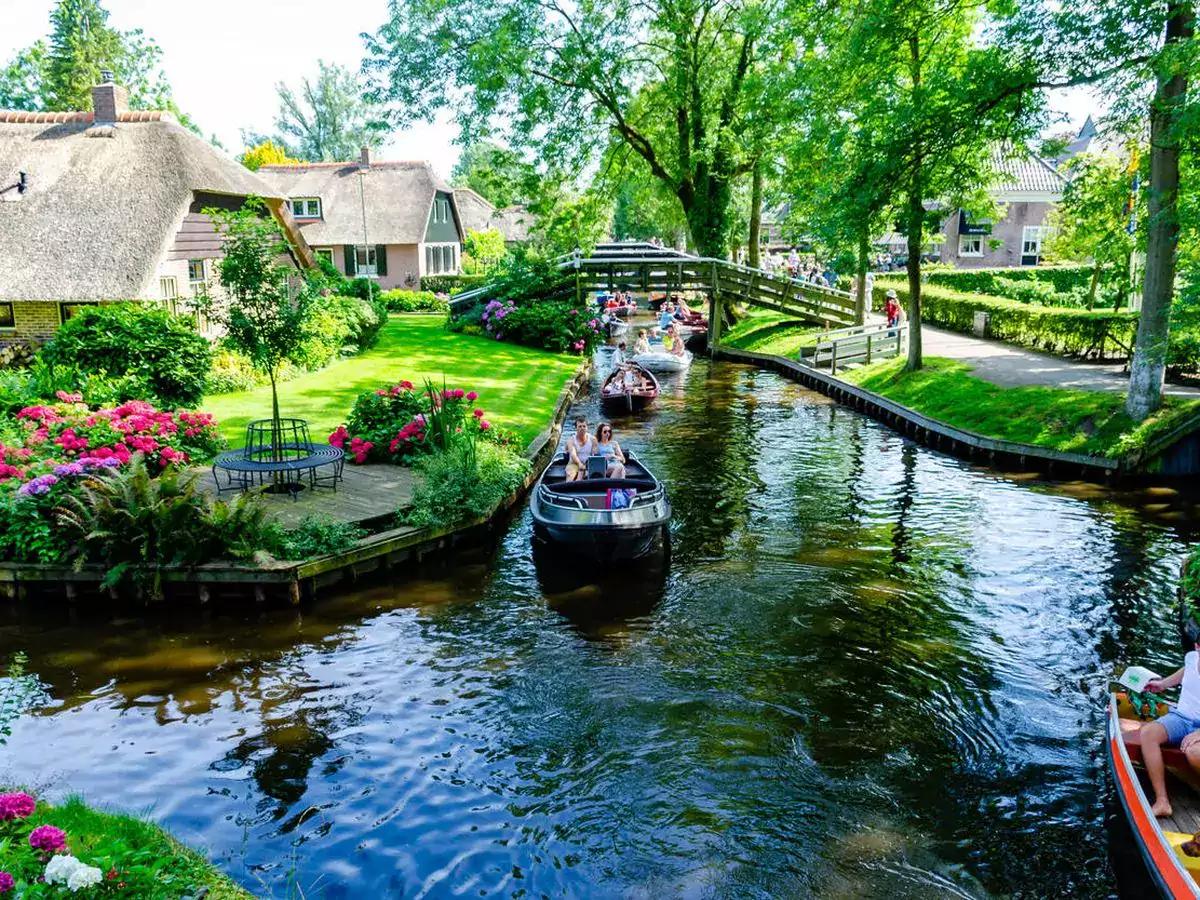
column 645, row 267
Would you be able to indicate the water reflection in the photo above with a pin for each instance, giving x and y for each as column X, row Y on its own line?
column 865, row 670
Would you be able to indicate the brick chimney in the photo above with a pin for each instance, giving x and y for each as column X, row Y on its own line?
column 364, row 158
column 109, row 99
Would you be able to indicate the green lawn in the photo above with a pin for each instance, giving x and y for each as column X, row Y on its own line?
column 1075, row 421
column 770, row 332
column 517, row 386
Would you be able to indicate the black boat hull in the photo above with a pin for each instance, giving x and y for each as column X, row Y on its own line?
column 602, row 544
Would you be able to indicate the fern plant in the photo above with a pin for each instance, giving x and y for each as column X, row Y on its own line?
column 138, row 525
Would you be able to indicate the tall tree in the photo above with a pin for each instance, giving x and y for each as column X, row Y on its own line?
column 326, row 120
column 930, row 95
column 680, row 82
column 266, row 153
column 58, row 74
column 496, row 173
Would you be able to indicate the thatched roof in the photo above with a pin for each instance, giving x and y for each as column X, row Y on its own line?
column 103, row 201
column 397, row 195
column 1025, row 174
column 478, row 214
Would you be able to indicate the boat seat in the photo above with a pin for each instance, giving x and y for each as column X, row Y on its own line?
column 1173, row 757
column 600, row 485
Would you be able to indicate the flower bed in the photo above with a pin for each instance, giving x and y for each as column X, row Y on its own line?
column 67, row 438
column 74, row 851
column 548, row 324
column 399, row 422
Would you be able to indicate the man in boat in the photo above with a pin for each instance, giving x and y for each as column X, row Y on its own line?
column 580, row 446
column 618, row 357
column 666, row 315
column 1181, row 726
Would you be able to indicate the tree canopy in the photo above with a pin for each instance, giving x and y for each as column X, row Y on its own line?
column 325, row 120
column 58, row 73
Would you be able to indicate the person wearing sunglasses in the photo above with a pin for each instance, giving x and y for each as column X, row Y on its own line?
column 607, row 447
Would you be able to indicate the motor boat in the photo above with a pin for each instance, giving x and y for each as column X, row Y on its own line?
column 628, row 388
column 604, row 518
column 660, row 360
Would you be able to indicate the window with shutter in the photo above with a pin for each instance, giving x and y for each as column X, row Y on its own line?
column 380, row 259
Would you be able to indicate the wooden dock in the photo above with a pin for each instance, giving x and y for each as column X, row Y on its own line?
column 369, row 495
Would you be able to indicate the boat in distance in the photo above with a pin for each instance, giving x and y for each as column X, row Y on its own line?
column 628, row 388
column 604, row 518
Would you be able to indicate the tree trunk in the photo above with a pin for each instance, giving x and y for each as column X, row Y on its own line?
column 861, row 300
column 916, row 222
column 756, row 182
column 1095, row 284
column 707, row 211
column 1162, row 230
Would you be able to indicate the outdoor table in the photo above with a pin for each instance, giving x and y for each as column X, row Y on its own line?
column 300, row 462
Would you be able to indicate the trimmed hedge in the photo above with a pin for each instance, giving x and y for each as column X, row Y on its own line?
column 1054, row 329
column 1063, row 279
column 404, row 301
column 451, row 284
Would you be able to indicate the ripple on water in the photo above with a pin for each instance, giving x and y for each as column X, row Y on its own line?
column 867, row 670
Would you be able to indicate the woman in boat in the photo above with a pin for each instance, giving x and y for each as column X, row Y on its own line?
column 607, row 447
column 580, row 446
column 675, row 345
column 643, row 343
column 683, row 311
column 1179, row 726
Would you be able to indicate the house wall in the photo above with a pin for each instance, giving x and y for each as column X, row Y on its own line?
column 1009, row 231
column 403, row 264
column 446, row 232
column 34, row 321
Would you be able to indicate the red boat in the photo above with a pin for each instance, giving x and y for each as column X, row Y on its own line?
column 634, row 393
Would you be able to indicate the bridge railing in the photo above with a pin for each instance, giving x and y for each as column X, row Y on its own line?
column 672, row 271
column 860, row 344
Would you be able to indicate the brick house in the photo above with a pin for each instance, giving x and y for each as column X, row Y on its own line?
column 396, row 222
column 1027, row 190
column 107, row 206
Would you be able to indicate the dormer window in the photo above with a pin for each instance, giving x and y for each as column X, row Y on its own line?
column 306, row 207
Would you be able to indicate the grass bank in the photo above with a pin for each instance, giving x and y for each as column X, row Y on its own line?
column 517, row 386
column 137, row 858
column 771, row 332
column 1091, row 422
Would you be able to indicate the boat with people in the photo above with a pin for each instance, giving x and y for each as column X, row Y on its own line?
column 628, row 388
column 605, row 506
column 662, row 360
column 1170, row 844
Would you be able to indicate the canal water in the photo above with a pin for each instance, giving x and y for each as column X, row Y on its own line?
column 865, row 670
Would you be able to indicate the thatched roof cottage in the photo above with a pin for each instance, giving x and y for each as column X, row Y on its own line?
column 394, row 221
column 480, row 214
column 107, row 205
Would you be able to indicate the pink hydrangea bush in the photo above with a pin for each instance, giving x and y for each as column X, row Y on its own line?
column 395, row 423
column 68, row 438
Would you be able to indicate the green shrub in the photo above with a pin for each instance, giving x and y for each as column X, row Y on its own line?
column 466, row 482
column 28, row 531
column 314, row 536
column 42, row 382
column 231, row 371
column 339, row 323
column 556, row 325
column 1062, row 279
column 161, row 349
column 378, row 415
column 402, row 301
column 1071, row 332
column 451, row 284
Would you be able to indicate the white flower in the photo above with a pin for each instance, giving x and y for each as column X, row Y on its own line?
column 61, row 868
column 83, row 877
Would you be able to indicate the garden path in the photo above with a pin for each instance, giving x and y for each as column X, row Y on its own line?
column 1011, row 366
column 373, row 491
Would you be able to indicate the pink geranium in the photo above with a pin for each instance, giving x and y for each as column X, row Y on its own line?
column 7, row 882
column 17, row 805
column 48, row 839
column 338, row 438
column 472, row 396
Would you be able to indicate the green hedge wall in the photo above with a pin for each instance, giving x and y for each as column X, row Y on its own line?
column 1054, row 329
column 985, row 281
column 451, row 284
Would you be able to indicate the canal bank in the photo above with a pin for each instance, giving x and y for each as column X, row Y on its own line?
column 282, row 580
column 867, row 670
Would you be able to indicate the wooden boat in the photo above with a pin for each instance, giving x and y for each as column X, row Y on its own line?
column 617, row 396
column 617, row 327
column 580, row 517
column 659, row 360
column 1159, row 840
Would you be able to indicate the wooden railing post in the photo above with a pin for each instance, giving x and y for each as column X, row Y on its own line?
column 833, row 359
column 868, row 349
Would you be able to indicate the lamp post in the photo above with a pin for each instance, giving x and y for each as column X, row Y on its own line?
column 362, row 197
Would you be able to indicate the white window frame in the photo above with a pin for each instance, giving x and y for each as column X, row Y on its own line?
column 435, row 263
column 310, row 207
column 192, row 279
column 371, row 267
column 168, row 287
column 326, row 252
column 1035, row 235
column 965, row 240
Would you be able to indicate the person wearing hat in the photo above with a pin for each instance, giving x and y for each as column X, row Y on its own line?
column 891, row 309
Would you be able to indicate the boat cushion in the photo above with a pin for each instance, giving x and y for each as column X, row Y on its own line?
column 1131, row 733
